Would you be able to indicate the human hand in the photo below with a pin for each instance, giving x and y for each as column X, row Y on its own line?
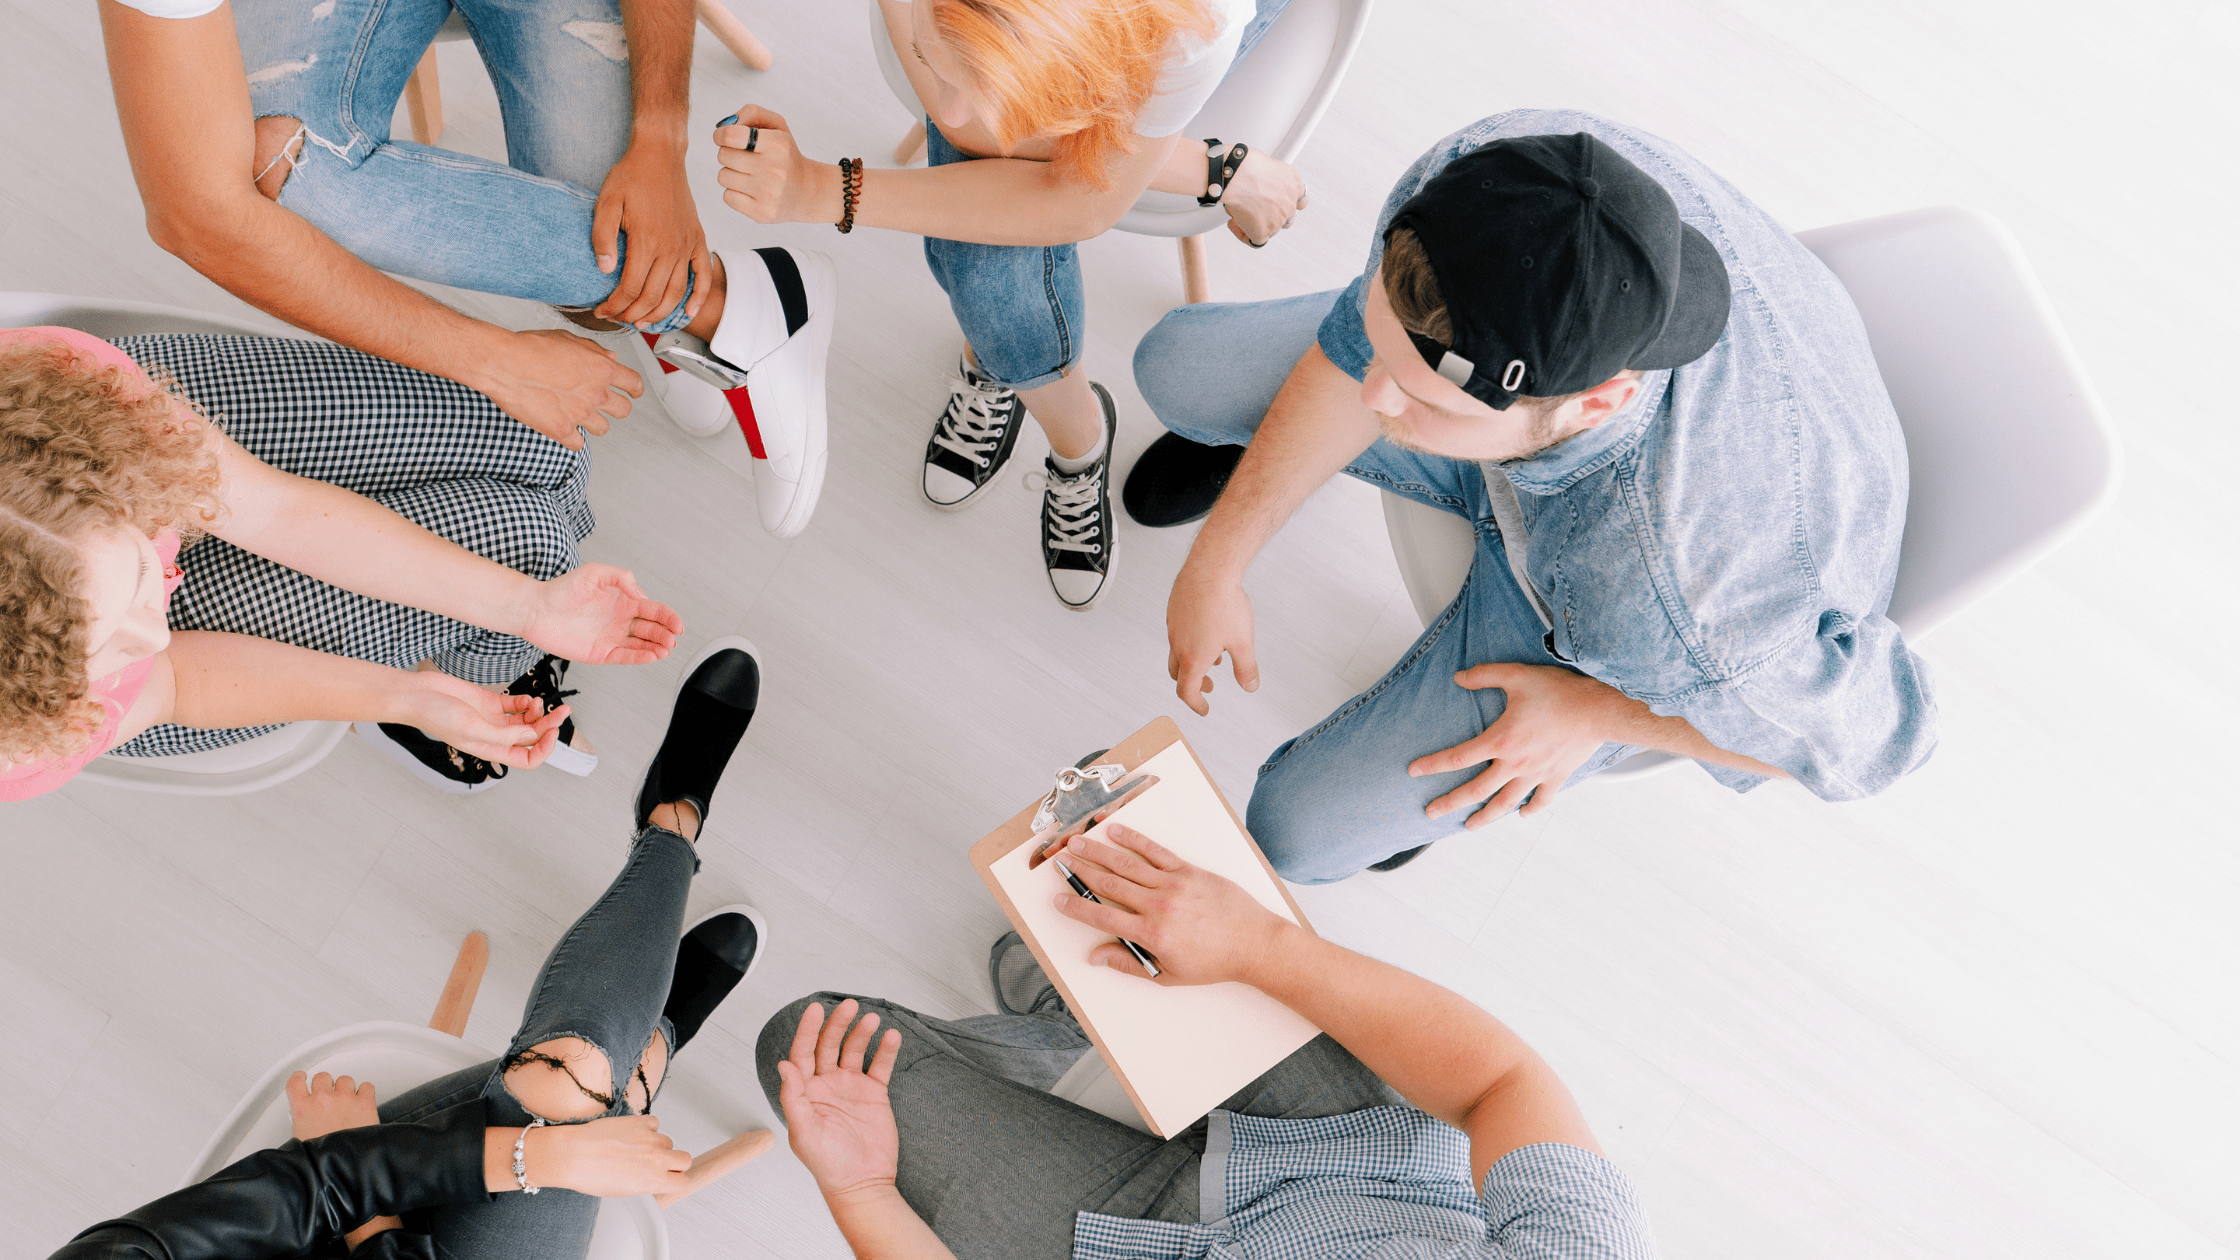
column 645, row 198
column 556, row 382
column 598, row 615
column 773, row 182
column 838, row 1118
column 1198, row 926
column 323, row 1104
column 1206, row 617
column 615, row 1157
column 508, row 730
column 1554, row 721
column 1262, row 197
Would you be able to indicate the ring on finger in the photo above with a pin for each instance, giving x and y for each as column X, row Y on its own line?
column 753, row 134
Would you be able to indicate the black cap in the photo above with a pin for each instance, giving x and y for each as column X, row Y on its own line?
column 1562, row 264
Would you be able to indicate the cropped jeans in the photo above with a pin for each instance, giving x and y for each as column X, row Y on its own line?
column 1021, row 306
column 522, row 228
column 1337, row 797
column 605, row 983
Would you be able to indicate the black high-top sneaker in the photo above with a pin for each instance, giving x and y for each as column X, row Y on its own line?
column 545, row 681
column 430, row 760
column 1077, row 524
column 972, row 439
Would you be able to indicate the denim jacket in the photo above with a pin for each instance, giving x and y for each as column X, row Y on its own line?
column 1725, row 551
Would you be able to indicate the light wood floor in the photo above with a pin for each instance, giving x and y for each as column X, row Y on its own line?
column 1994, row 1012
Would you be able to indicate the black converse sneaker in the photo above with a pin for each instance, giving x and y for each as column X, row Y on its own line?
column 544, row 681
column 1077, row 534
column 972, row 440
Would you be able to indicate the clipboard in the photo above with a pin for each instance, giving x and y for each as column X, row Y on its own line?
column 1176, row 1051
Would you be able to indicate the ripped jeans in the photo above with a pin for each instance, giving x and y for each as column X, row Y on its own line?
column 522, row 228
column 606, row 983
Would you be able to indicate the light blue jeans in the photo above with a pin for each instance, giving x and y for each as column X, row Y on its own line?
column 523, row 228
column 1337, row 797
column 1021, row 306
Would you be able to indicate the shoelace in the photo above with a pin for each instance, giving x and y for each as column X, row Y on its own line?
column 975, row 419
column 1072, row 504
column 543, row 682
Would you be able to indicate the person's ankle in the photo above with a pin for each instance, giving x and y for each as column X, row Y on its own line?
column 704, row 324
column 677, row 816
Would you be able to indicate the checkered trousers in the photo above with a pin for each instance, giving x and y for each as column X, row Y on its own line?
column 435, row 452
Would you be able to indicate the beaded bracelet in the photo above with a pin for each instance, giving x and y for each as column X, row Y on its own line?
column 851, row 187
column 1220, row 170
column 520, row 1158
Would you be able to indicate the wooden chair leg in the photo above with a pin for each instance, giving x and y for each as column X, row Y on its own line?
column 720, row 1161
column 423, row 100
column 733, row 34
column 1195, row 286
column 457, row 1001
column 911, row 146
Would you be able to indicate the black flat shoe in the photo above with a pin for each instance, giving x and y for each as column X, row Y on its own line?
column 1177, row 481
column 713, row 708
column 717, row 952
column 1400, row 859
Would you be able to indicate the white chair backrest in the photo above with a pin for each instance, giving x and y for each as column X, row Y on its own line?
column 2010, row 449
column 251, row 765
column 396, row 1057
column 1274, row 98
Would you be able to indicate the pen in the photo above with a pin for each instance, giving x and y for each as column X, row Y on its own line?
column 1149, row 966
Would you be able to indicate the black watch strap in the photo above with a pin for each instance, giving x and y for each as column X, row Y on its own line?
column 1220, row 169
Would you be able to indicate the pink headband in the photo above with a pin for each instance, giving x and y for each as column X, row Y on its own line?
column 85, row 343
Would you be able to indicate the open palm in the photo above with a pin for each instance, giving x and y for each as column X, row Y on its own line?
column 598, row 615
column 837, row 1115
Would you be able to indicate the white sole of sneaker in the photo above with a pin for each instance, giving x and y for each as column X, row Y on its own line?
column 569, row 759
column 1111, row 571
column 372, row 733
column 761, row 932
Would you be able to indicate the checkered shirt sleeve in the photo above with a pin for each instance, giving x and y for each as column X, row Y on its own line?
column 1386, row 1183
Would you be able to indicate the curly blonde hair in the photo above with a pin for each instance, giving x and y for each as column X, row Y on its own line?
column 84, row 446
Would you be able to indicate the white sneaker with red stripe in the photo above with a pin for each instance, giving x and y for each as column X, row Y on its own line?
column 771, row 343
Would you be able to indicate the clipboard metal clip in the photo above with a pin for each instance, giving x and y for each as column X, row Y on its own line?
column 1080, row 793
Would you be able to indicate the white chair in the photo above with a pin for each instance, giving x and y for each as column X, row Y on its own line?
column 2009, row 448
column 397, row 1057
column 254, row 764
column 1273, row 100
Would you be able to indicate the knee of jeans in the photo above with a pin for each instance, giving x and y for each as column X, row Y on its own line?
column 1308, row 842
column 566, row 1078
column 645, row 1080
column 1171, row 371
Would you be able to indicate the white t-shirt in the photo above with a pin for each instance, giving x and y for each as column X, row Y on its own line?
column 173, row 8
column 1192, row 70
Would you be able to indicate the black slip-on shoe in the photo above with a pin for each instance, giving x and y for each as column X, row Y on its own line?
column 1400, row 859
column 1176, row 481
column 714, row 705
column 718, row 951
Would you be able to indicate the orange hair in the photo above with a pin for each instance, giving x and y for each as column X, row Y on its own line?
column 1077, row 71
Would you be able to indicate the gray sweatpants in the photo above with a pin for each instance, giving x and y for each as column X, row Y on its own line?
column 998, row 1167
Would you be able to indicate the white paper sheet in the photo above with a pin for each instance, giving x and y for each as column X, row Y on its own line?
column 1183, row 1049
